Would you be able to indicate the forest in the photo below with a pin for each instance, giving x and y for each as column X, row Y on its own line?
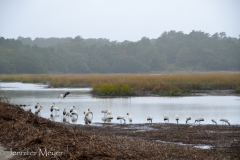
column 171, row 52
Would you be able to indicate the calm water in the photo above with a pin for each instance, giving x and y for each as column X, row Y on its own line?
column 139, row 107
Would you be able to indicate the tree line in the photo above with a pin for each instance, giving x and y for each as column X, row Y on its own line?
column 172, row 51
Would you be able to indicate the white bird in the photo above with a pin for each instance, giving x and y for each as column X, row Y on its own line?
column 88, row 119
column 74, row 112
column 121, row 117
column 72, row 108
column 149, row 119
column 225, row 120
column 87, row 112
column 198, row 119
column 67, row 113
column 38, row 110
column 28, row 109
column 107, row 118
column 64, row 112
column 177, row 118
column 188, row 118
column 129, row 118
column 213, row 120
column 106, row 112
column 63, row 95
column 166, row 118
column 37, row 105
column 53, row 107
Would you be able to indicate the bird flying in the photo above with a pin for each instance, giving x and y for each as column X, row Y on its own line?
column 63, row 95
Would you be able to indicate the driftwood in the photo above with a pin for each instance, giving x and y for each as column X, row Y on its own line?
column 25, row 133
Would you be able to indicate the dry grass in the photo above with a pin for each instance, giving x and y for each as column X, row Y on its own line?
column 24, row 131
column 175, row 84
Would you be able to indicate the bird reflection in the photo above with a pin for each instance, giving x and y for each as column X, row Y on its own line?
column 54, row 117
column 64, row 120
column 74, row 120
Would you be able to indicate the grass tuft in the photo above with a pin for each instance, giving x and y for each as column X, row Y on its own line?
column 112, row 90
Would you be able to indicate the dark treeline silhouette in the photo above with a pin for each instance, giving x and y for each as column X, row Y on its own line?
column 172, row 51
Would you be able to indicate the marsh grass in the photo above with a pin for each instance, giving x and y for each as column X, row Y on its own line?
column 112, row 90
column 130, row 84
column 237, row 90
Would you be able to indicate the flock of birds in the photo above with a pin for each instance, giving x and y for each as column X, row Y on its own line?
column 188, row 118
column 88, row 115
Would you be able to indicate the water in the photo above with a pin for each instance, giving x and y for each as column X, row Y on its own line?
column 139, row 107
column 202, row 146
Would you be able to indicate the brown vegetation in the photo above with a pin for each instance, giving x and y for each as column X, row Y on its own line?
column 23, row 131
column 138, row 84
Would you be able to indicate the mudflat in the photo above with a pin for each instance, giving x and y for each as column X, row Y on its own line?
column 29, row 136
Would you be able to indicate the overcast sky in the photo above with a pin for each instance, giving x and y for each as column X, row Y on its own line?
column 116, row 19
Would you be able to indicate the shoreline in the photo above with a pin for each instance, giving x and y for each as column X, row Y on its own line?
column 23, row 131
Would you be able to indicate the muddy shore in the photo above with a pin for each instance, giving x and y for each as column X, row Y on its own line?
column 31, row 137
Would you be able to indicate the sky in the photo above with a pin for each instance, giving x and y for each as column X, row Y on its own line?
column 117, row 20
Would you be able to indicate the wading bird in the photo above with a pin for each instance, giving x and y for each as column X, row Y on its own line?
column 177, row 118
column 87, row 112
column 38, row 110
column 188, row 118
column 213, row 120
column 67, row 114
column 129, row 118
column 72, row 108
column 74, row 112
column 225, row 120
column 53, row 107
column 37, row 105
column 87, row 117
column 107, row 118
column 28, row 109
column 149, row 119
column 166, row 118
column 198, row 119
column 106, row 113
column 63, row 95
column 121, row 117
column 64, row 112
